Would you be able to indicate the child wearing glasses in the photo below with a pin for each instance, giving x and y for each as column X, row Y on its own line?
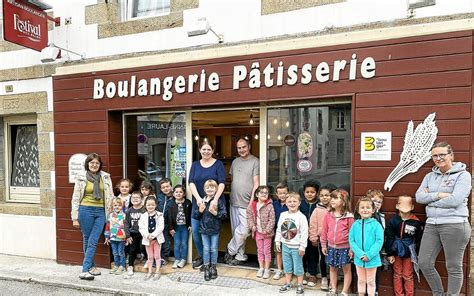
column 261, row 222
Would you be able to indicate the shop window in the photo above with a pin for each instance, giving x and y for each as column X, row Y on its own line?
column 306, row 148
column 21, row 155
column 340, row 120
column 156, row 148
column 132, row 9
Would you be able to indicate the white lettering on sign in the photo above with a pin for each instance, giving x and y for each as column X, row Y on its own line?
column 254, row 77
column 24, row 26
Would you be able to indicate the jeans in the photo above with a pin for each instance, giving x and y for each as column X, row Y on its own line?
column 181, row 242
column 292, row 261
column 453, row 238
column 195, row 225
column 92, row 221
column 118, row 250
column 210, row 243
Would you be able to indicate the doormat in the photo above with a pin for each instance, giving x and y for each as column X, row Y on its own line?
column 223, row 281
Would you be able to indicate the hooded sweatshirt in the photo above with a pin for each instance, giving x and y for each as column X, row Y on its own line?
column 316, row 222
column 366, row 239
column 452, row 209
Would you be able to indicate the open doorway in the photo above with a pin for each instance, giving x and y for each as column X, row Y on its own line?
column 223, row 129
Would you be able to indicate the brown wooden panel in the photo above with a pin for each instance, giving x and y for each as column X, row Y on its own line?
column 81, row 138
column 367, row 174
column 445, row 127
column 460, row 143
column 445, row 111
column 81, row 116
column 224, row 66
column 411, row 97
column 69, row 150
column 460, row 156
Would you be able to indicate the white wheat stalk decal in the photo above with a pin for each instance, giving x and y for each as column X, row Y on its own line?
column 416, row 150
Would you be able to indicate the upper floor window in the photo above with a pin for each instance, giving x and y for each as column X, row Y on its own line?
column 21, row 155
column 340, row 124
column 144, row 8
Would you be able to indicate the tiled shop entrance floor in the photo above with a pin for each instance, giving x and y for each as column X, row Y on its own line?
column 224, row 281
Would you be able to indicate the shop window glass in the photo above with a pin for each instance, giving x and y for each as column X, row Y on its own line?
column 306, row 148
column 131, row 9
column 21, row 148
column 156, row 148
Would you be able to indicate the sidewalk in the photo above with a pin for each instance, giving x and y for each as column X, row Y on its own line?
column 231, row 281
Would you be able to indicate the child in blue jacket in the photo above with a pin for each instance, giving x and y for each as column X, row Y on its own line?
column 366, row 240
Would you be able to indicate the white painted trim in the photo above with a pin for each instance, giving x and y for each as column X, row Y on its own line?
column 263, row 144
column 53, row 180
column 272, row 46
column 51, row 141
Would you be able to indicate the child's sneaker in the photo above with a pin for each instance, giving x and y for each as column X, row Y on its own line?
column 300, row 289
column 182, row 263
column 312, row 281
column 113, row 270
column 163, row 262
column 130, row 270
column 148, row 276
column 156, row 276
column 278, row 274
column 119, row 270
column 285, row 288
column 266, row 274
column 175, row 264
column 260, row 272
column 324, row 284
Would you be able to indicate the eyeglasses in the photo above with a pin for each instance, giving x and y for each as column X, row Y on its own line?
column 263, row 193
column 377, row 202
column 439, row 156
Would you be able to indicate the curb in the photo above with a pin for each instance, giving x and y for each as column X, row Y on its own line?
column 71, row 286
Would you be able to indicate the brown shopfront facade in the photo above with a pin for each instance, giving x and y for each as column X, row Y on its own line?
column 304, row 110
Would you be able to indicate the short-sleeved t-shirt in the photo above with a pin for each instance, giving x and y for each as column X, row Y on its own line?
column 199, row 175
column 243, row 171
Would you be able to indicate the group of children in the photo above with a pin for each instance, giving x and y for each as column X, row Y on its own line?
column 145, row 219
column 314, row 231
column 307, row 233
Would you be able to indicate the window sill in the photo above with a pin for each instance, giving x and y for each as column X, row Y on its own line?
column 341, row 129
column 24, row 209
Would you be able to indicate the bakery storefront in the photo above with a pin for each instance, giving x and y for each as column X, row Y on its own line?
column 303, row 109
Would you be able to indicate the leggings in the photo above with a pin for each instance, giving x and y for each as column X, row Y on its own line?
column 153, row 251
column 366, row 276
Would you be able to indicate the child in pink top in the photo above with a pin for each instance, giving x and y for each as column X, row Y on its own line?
column 261, row 222
column 335, row 239
column 316, row 227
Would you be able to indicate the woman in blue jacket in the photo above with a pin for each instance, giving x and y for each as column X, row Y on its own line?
column 445, row 192
column 366, row 240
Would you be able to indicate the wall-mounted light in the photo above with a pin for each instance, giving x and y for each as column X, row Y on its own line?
column 275, row 121
column 52, row 52
column 287, row 123
column 196, row 138
column 200, row 27
column 256, row 137
column 251, row 122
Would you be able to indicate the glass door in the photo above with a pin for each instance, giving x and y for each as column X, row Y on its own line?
column 156, row 148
